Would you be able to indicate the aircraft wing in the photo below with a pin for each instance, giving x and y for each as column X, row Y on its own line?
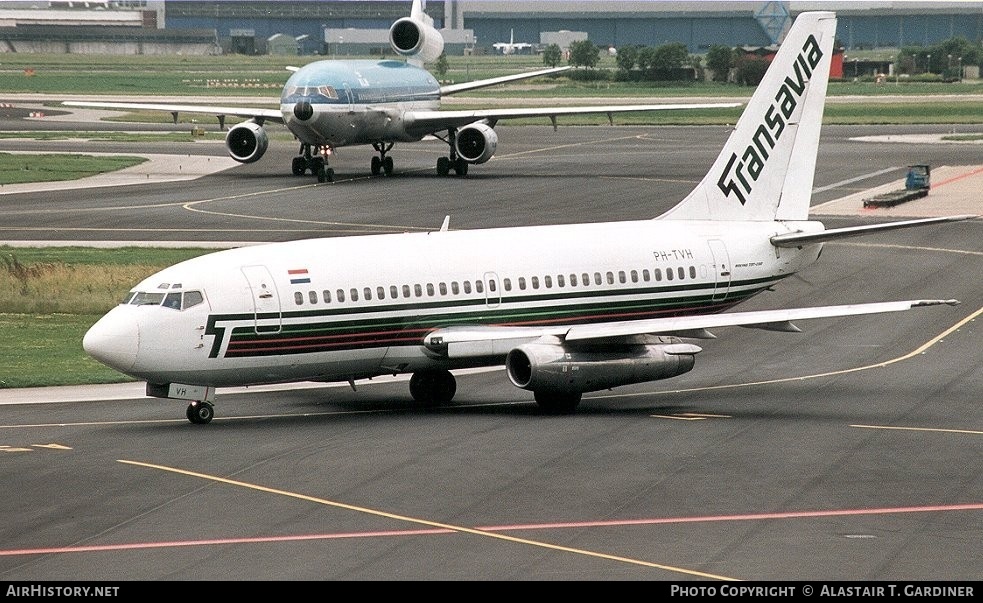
column 273, row 115
column 463, row 341
column 433, row 121
column 455, row 88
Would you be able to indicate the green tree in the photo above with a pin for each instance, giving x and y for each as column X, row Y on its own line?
column 719, row 61
column 627, row 56
column 750, row 69
column 668, row 60
column 646, row 59
column 583, row 53
column 441, row 66
column 552, row 55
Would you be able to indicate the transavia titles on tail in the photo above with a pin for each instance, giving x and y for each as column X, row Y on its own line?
column 567, row 309
column 335, row 103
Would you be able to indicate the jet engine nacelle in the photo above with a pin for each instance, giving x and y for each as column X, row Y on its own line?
column 416, row 40
column 247, row 142
column 558, row 368
column 476, row 143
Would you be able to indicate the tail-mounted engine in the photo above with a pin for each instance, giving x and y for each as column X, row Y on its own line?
column 476, row 143
column 561, row 368
column 415, row 38
column 247, row 142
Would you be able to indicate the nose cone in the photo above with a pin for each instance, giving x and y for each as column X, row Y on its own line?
column 113, row 341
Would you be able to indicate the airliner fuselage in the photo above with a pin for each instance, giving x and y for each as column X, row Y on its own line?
column 322, row 309
column 340, row 103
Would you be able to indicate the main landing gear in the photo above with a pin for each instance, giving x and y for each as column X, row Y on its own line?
column 317, row 164
column 433, row 388
column 200, row 413
column 382, row 163
column 454, row 161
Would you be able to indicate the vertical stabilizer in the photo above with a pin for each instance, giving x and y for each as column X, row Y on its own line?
column 417, row 14
column 765, row 170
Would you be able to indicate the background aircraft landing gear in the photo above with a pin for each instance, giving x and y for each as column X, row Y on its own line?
column 200, row 413
column 446, row 164
column 432, row 388
column 382, row 163
column 317, row 164
column 319, row 168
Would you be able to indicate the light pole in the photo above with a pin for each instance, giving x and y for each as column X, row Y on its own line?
column 960, row 69
column 928, row 67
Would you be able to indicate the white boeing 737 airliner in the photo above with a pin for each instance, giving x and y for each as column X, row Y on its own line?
column 567, row 309
column 330, row 104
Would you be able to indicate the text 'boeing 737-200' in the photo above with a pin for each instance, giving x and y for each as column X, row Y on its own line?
column 567, row 309
column 333, row 103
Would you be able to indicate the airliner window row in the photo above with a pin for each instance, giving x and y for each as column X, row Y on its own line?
column 521, row 283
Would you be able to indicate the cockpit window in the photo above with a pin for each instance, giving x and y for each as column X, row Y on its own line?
column 192, row 298
column 142, row 298
column 311, row 92
column 175, row 299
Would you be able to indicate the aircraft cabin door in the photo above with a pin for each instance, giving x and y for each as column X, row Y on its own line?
column 493, row 293
column 266, row 301
column 721, row 269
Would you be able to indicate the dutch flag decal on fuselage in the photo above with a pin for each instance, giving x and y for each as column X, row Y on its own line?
column 298, row 276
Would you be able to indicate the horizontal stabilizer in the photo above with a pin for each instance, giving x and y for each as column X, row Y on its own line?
column 795, row 239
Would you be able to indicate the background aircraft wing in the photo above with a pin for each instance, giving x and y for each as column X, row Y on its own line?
column 463, row 341
column 454, row 88
column 273, row 115
column 433, row 121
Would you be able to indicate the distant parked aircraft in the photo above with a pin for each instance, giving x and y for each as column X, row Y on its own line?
column 511, row 46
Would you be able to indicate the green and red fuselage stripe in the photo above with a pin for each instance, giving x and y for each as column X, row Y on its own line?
column 323, row 330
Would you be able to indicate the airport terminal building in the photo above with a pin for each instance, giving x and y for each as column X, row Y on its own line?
column 340, row 27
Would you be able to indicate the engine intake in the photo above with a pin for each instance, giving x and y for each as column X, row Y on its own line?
column 247, row 142
column 416, row 40
column 558, row 368
column 476, row 143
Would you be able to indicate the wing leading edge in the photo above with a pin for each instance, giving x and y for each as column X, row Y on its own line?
column 462, row 342
column 273, row 115
column 441, row 120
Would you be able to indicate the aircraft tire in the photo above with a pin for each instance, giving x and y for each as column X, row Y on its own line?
column 325, row 174
column 387, row 166
column 443, row 166
column 298, row 166
column 432, row 388
column 376, row 166
column 200, row 413
column 557, row 403
column 461, row 167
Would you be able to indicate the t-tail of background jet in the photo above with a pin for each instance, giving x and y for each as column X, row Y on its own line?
column 765, row 171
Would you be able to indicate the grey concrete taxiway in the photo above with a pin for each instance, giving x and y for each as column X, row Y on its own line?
column 850, row 451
